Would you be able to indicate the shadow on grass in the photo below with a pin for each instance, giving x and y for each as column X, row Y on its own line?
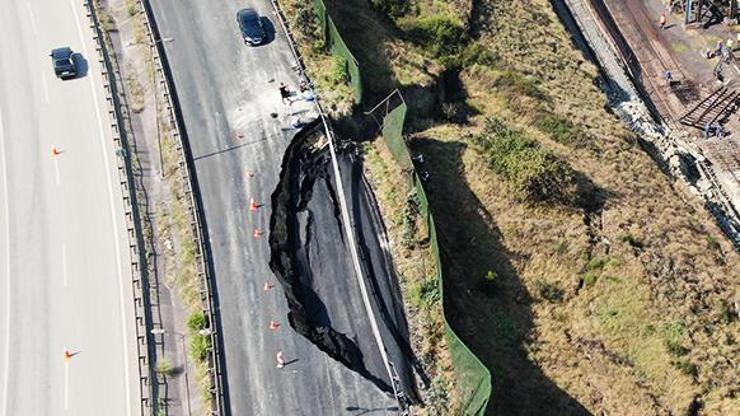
column 495, row 320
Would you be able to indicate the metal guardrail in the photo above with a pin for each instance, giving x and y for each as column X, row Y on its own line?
column 186, row 169
column 348, row 224
column 133, row 223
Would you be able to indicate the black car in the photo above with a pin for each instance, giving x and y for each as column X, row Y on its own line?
column 64, row 63
column 251, row 27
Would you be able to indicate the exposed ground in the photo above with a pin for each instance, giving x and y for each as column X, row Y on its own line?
column 612, row 288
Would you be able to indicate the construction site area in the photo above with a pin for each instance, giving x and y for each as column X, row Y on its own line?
column 682, row 59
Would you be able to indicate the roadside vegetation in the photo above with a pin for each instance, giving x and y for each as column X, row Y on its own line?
column 415, row 265
column 581, row 275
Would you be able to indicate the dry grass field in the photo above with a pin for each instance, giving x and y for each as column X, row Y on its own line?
column 584, row 278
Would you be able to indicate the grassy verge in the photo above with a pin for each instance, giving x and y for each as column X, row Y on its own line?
column 413, row 257
column 616, row 299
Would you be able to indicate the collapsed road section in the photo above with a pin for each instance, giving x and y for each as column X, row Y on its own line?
column 306, row 196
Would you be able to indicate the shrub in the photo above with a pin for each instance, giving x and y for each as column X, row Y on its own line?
column 713, row 244
column 164, row 366
column 521, row 85
column 395, row 8
column 534, row 173
column 132, row 8
column 476, row 53
column 307, row 22
column 197, row 321
column 633, row 242
column 674, row 334
column 430, row 291
column 441, row 32
column 590, row 278
column 560, row 129
column 340, row 72
column 550, row 291
column 687, row 367
column 199, row 346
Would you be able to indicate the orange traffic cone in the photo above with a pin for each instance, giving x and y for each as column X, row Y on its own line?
column 268, row 286
column 55, row 151
column 274, row 326
column 279, row 359
column 253, row 205
column 257, row 233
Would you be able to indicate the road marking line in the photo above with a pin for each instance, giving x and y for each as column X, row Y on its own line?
column 64, row 263
column 6, row 358
column 116, row 241
column 46, row 87
column 33, row 19
column 66, row 385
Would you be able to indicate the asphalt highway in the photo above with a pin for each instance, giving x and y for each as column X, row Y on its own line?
column 65, row 279
column 238, row 131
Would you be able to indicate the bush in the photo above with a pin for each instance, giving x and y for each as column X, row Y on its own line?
column 132, row 8
column 199, row 347
column 560, row 129
column 633, row 242
column 674, row 335
column 164, row 366
column 307, row 22
column 197, row 321
column 550, row 291
column 476, row 53
column 687, row 367
column 535, row 174
column 340, row 72
column 395, row 8
column 430, row 291
column 521, row 85
column 590, row 278
column 442, row 33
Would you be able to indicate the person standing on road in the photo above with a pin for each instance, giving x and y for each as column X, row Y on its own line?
column 284, row 93
column 661, row 21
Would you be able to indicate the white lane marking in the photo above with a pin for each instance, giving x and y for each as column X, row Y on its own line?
column 116, row 242
column 33, row 19
column 46, row 87
column 64, row 264
column 66, row 384
column 56, row 171
column 6, row 358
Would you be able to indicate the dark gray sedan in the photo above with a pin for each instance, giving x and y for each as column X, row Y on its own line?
column 251, row 27
column 63, row 61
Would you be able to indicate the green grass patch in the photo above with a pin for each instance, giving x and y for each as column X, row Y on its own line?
column 200, row 345
column 534, row 173
column 197, row 321
column 560, row 129
column 443, row 34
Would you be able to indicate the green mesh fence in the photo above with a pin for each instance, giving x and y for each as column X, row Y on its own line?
column 333, row 40
column 393, row 127
column 474, row 379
